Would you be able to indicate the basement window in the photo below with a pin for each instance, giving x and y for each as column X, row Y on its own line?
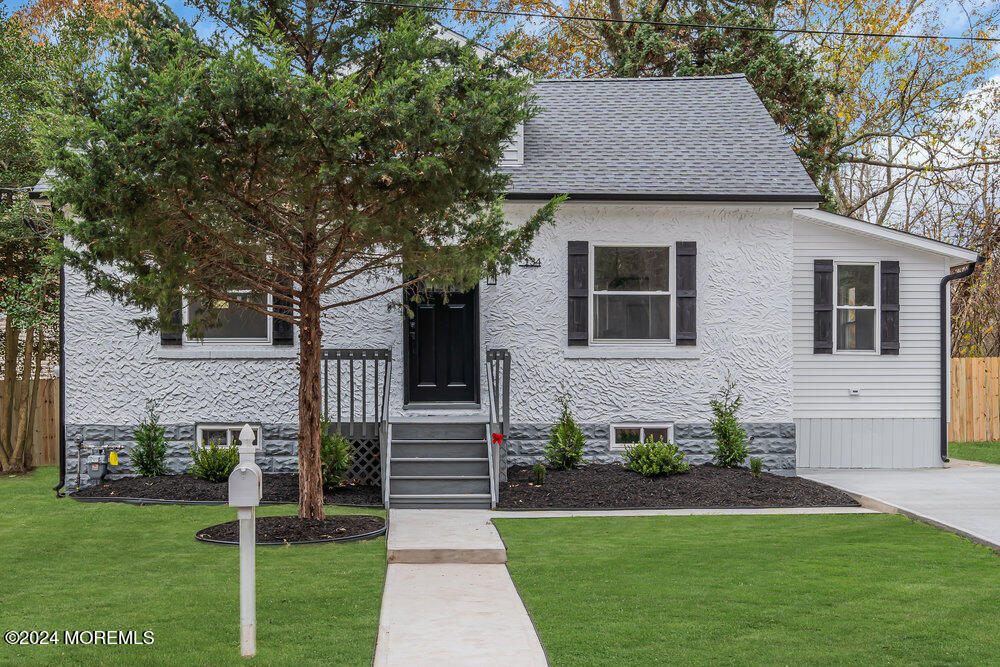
column 626, row 435
column 226, row 435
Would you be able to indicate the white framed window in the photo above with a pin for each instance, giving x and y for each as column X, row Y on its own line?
column 631, row 293
column 235, row 324
column 626, row 435
column 855, row 326
column 224, row 434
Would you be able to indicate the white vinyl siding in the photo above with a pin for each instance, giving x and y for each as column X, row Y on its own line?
column 890, row 386
column 513, row 151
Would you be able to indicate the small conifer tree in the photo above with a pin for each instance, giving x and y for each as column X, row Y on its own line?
column 149, row 453
column 730, row 437
column 565, row 448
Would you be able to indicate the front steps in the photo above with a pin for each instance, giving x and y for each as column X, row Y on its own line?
column 444, row 466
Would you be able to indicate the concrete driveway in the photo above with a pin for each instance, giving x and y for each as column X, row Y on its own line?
column 963, row 498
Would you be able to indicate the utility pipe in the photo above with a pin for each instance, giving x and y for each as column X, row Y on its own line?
column 945, row 356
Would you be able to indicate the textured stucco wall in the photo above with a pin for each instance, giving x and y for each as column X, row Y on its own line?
column 744, row 328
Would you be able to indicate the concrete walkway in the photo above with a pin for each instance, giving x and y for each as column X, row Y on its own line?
column 443, row 536
column 963, row 499
column 448, row 597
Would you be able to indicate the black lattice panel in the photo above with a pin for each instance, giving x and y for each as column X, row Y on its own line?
column 366, row 467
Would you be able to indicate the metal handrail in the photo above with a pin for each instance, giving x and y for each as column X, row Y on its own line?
column 373, row 419
column 493, row 461
column 498, row 389
column 380, row 360
column 498, row 380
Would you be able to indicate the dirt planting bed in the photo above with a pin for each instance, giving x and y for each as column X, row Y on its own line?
column 278, row 488
column 293, row 530
column 602, row 486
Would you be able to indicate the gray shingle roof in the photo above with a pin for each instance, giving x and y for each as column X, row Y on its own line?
column 664, row 138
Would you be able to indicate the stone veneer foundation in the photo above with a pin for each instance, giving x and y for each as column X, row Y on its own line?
column 279, row 454
column 524, row 445
column 773, row 442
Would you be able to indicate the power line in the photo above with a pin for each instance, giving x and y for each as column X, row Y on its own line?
column 673, row 24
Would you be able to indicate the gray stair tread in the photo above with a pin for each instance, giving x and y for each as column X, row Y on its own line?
column 438, row 441
column 437, row 477
column 444, row 496
column 438, row 459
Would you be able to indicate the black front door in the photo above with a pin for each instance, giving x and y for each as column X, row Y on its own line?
column 443, row 348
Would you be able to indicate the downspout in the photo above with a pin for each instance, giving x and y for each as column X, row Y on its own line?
column 945, row 352
column 62, row 383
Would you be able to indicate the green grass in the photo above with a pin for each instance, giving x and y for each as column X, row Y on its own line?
column 66, row 565
column 987, row 452
column 755, row 590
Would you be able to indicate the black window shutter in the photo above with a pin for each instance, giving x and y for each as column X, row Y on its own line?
column 173, row 332
column 281, row 331
column 889, row 308
column 577, row 288
column 823, row 306
column 687, row 292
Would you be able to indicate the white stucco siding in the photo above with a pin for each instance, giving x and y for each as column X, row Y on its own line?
column 112, row 370
column 744, row 266
column 744, row 318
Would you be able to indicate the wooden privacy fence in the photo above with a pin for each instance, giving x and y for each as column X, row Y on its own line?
column 45, row 433
column 975, row 399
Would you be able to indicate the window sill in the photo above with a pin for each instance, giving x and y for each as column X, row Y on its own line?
column 226, row 352
column 631, row 352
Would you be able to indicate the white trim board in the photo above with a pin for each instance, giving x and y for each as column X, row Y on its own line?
column 885, row 233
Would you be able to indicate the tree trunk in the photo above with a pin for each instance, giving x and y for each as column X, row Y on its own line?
column 7, row 404
column 22, row 431
column 310, row 410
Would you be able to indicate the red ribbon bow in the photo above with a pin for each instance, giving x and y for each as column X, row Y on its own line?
column 497, row 438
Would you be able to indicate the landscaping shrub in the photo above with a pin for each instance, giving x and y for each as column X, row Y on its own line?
column 149, row 453
column 730, row 438
column 214, row 461
column 565, row 448
column 539, row 471
column 756, row 466
column 335, row 457
column 655, row 457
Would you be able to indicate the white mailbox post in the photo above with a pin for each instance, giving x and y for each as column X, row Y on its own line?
column 244, row 494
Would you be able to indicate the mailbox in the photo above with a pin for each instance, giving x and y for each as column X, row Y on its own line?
column 245, row 485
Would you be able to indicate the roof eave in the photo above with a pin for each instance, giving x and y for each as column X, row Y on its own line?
column 670, row 197
column 886, row 233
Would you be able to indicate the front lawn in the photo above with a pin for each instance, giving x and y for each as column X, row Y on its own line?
column 754, row 590
column 987, row 452
column 67, row 565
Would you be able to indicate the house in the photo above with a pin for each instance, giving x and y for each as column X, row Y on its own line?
column 691, row 250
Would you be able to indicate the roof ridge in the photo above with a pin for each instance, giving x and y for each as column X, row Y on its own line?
column 640, row 78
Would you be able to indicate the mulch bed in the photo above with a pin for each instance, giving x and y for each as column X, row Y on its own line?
column 293, row 530
column 278, row 488
column 612, row 485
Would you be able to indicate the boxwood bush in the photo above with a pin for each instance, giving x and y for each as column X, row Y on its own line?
column 214, row 461
column 655, row 457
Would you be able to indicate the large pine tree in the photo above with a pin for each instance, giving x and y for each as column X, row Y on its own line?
column 305, row 149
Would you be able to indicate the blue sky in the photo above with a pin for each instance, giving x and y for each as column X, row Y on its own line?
column 952, row 14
